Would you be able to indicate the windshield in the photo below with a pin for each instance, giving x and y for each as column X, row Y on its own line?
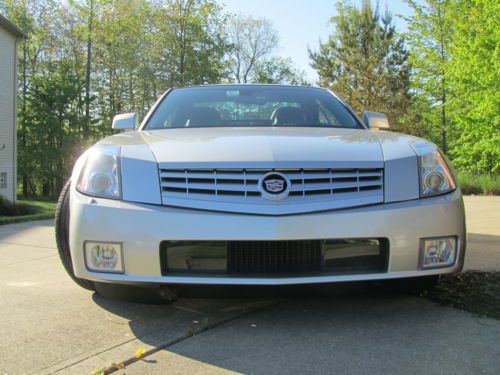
column 250, row 106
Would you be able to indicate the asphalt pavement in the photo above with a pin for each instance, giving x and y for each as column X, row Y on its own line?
column 50, row 325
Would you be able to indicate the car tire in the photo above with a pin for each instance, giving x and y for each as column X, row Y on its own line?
column 111, row 291
column 62, row 237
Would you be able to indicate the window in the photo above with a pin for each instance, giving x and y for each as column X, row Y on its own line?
column 251, row 105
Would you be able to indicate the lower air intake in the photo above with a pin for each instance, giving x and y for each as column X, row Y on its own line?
column 274, row 256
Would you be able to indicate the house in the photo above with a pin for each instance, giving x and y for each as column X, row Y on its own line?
column 9, row 35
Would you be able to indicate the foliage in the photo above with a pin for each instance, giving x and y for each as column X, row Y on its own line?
column 25, row 210
column 250, row 57
column 53, row 104
column 84, row 61
column 454, row 52
column 479, row 184
column 429, row 37
column 252, row 41
column 474, row 75
column 279, row 70
column 366, row 62
column 441, row 80
column 10, row 209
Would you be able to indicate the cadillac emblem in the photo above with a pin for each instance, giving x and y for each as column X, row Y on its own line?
column 274, row 186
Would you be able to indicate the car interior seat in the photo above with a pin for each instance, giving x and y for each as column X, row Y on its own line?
column 288, row 116
column 202, row 116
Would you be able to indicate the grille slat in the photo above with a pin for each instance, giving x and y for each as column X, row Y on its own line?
column 205, row 187
column 207, row 175
column 211, row 186
column 335, row 185
column 255, row 198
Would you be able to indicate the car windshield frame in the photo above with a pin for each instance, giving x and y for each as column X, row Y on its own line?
column 339, row 104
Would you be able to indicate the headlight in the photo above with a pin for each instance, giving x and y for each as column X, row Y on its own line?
column 100, row 177
column 435, row 174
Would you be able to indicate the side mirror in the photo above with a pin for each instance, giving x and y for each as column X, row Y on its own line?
column 125, row 121
column 375, row 120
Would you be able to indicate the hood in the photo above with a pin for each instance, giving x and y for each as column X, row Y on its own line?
column 142, row 152
column 270, row 146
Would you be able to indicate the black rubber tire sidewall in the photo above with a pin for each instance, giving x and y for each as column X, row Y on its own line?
column 62, row 237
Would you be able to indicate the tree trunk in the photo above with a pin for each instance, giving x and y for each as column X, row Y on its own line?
column 443, row 118
column 23, row 122
column 86, row 129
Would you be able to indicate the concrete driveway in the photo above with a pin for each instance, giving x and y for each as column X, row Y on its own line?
column 50, row 325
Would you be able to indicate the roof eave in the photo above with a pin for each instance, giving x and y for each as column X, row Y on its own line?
column 10, row 27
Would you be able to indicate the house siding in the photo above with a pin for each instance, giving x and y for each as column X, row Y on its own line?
column 8, row 57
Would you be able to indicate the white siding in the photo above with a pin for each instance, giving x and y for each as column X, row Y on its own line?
column 7, row 113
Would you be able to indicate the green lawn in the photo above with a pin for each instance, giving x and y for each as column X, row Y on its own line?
column 479, row 184
column 41, row 210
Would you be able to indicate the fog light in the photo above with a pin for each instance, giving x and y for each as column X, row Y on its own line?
column 104, row 256
column 438, row 252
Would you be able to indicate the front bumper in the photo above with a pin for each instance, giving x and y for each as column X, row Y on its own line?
column 142, row 227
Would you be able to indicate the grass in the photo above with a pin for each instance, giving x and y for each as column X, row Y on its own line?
column 26, row 210
column 479, row 184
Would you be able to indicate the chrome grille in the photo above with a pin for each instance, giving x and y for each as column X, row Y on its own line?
column 311, row 189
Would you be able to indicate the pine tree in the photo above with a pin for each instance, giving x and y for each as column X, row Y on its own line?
column 366, row 62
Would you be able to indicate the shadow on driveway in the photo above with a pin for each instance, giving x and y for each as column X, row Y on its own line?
column 337, row 329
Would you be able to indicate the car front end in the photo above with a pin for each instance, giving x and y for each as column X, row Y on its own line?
column 255, row 205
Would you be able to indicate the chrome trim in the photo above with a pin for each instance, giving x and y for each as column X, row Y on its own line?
column 271, row 196
column 137, row 279
column 233, row 189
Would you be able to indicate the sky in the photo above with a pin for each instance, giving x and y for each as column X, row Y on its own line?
column 302, row 23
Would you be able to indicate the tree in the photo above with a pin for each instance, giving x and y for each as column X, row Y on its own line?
column 429, row 37
column 454, row 53
column 279, row 70
column 253, row 40
column 88, row 67
column 366, row 62
column 41, row 21
column 193, row 43
column 84, row 61
column 53, row 113
column 474, row 76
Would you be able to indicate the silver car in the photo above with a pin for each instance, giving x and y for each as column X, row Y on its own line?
column 258, row 185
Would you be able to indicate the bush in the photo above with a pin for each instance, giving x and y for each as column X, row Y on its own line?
column 10, row 209
column 479, row 184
